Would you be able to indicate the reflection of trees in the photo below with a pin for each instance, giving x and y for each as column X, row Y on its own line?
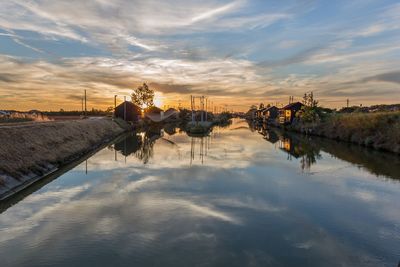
column 129, row 145
column 252, row 125
column 146, row 151
column 295, row 146
column 310, row 156
column 139, row 144
column 309, row 152
column 299, row 147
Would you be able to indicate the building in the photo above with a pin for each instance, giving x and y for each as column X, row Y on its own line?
column 270, row 114
column 251, row 114
column 158, row 115
column 128, row 111
column 259, row 114
column 288, row 113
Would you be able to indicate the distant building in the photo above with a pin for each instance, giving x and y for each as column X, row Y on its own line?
column 251, row 114
column 128, row 111
column 153, row 110
column 288, row 113
column 270, row 113
column 259, row 114
column 158, row 115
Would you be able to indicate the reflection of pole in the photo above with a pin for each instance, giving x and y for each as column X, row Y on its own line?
column 191, row 150
column 86, row 168
column 125, row 149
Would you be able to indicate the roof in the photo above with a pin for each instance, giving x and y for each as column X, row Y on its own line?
column 129, row 105
column 158, row 117
column 171, row 110
column 293, row 105
column 153, row 109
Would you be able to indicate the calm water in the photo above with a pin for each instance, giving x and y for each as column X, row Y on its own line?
column 240, row 197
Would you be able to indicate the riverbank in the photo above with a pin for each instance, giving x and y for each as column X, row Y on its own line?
column 31, row 151
column 376, row 130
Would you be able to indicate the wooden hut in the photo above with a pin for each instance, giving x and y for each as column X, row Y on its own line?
column 259, row 114
column 288, row 113
column 128, row 111
column 270, row 113
column 251, row 114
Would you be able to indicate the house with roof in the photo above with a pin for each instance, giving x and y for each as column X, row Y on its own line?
column 270, row 114
column 128, row 111
column 288, row 113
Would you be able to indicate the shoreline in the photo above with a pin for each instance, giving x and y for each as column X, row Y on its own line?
column 95, row 134
column 308, row 131
column 380, row 131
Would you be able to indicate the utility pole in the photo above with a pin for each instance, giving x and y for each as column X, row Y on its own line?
column 202, row 108
column 191, row 106
column 115, row 104
column 348, row 102
column 85, row 103
column 206, row 107
column 124, row 108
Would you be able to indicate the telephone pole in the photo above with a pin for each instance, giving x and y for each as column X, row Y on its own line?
column 124, row 108
column 85, row 103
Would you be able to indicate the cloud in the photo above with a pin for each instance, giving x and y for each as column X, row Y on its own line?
column 228, row 49
column 391, row 77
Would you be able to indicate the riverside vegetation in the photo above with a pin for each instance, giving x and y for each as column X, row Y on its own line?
column 379, row 130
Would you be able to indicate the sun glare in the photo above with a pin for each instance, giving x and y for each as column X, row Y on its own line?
column 158, row 99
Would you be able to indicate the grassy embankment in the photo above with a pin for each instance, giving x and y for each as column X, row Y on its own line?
column 377, row 130
column 28, row 152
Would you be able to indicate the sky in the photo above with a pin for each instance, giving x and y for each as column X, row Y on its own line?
column 235, row 52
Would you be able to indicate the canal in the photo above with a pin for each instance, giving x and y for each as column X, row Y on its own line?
column 242, row 196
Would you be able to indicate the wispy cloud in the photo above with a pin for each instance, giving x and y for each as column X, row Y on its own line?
column 224, row 48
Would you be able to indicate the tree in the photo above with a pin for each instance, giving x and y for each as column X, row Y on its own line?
column 143, row 96
column 109, row 110
column 310, row 112
column 309, row 101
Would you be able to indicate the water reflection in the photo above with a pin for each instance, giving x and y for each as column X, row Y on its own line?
column 309, row 151
column 141, row 144
column 233, row 198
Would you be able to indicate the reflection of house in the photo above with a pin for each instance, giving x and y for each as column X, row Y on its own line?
column 129, row 145
column 271, row 136
column 128, row 111
column 270, row 114
column 287, row 145
column 288, row 113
